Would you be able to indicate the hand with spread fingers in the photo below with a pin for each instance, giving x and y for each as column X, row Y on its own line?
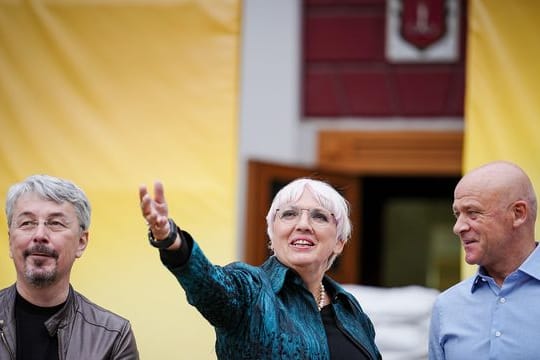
column 156, row 213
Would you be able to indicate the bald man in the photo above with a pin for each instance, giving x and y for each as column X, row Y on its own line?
column 495, row 314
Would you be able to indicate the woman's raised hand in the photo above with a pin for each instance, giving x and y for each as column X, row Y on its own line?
column 155, row 210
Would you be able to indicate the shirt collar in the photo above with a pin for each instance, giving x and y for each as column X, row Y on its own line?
column 530, row 267
column 479, row 280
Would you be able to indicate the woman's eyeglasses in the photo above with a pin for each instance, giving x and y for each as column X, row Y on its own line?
column 317, row 216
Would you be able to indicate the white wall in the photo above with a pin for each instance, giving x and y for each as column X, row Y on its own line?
column 269, row 84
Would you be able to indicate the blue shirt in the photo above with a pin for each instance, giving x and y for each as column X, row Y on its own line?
column 477, row 319
column 265, row 312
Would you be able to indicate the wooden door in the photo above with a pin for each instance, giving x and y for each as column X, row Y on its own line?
column 265, row 179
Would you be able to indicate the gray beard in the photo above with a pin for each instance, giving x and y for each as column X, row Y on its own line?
column 40, row 278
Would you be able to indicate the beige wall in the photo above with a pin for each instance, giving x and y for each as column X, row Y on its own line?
column 111, row 95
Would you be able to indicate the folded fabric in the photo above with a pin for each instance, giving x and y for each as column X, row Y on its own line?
column 396, row 304
column 401, row 318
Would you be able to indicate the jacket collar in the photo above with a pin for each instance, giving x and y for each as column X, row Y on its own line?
column 7, row 308
column 279, row 273
column 58, row 320
column 53, row 324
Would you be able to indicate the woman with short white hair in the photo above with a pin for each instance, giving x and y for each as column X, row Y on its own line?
column 287, row 308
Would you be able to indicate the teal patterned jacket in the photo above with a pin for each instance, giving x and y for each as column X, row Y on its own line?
column 264, row 312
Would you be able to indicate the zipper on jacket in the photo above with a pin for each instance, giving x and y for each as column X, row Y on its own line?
column 60, row 345
column 4, row 340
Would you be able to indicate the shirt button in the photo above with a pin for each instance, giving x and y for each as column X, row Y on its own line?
column 497, row 333
column 502, row 300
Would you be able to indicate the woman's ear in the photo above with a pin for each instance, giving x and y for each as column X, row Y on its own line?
column 338, row 248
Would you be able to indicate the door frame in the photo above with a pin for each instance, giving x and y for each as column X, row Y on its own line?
column 261, row 176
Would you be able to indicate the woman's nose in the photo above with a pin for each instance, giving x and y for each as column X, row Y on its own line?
column 303, row 219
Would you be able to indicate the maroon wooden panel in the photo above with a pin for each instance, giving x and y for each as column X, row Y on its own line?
column 346, row 74
column 344, row 2
column 368, row 93
column 321, row 93
column 456, row 93
column 342, row 37
column 422, row 93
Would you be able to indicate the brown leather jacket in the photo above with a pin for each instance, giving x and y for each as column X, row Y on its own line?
column 85, row 330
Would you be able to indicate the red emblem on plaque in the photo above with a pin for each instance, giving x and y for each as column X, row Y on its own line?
column 423, row 22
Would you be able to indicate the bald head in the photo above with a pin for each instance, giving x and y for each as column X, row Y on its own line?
column 503, row 181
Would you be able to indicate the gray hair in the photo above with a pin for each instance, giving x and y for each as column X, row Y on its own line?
column 325, row 194
column 53, row 189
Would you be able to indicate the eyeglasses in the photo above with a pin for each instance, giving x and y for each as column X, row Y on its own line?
column 51, row 225
column 317, row 216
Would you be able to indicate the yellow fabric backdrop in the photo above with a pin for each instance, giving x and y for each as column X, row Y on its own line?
column 112, row 94
column 502, row 115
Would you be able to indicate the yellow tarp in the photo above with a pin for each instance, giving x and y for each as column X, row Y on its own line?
column 112, row 94
column 502, row 115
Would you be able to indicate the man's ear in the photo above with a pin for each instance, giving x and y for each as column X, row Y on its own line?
column 10, row 252
column 519, row 212
column 83, row 242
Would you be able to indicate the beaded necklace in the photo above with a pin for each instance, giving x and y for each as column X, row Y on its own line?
column 321, row 298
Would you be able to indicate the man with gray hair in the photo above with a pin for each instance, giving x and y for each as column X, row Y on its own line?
column 41, row 315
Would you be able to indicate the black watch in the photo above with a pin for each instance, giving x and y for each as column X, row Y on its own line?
column 167, row 242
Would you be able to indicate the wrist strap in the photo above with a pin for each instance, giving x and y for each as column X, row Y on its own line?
column 168, row 241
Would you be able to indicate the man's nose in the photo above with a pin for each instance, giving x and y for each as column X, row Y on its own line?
column 460, row 225
column 41, row 232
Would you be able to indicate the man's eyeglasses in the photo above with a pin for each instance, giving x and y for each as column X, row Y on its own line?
column 51, row 225
column 317, row 216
